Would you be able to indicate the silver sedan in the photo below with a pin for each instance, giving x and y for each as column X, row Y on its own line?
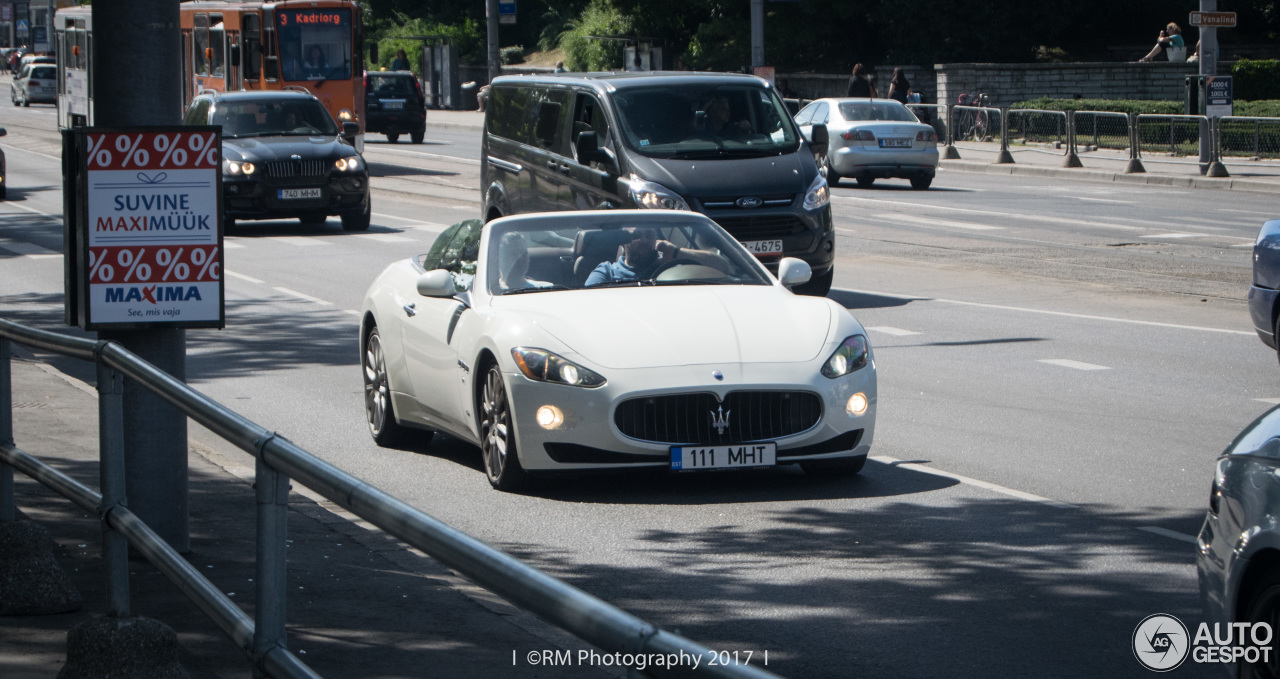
column 873, row 139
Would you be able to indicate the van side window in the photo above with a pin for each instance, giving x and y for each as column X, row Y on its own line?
column 511, row 114
column 589, row 116
column 552, row 109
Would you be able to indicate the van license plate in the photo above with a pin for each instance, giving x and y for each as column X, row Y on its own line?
column 691, row 458
column 295, row 194
column 764, row 247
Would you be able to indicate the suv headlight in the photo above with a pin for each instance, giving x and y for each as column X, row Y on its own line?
column 850, row 356
column 348, row 164
column 655, row 196
column 543, row 366
column 818, row 194
column 236, row 168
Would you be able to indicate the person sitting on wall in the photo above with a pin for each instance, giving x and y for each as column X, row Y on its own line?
column 1170, row 40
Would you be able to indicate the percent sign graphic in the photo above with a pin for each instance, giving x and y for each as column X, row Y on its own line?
column 131, row 152
column 201, row 148
column 134, row 264
column 99, row 268
column 177, row 269
column 97, row 154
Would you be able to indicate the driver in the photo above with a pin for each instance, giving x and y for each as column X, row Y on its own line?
column 644, row 253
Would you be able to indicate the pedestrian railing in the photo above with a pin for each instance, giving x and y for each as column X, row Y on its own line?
column 262, row 637
column 1257, row 138
column 1037, row 126
column 1174, row 136
column 1102, row 129
column 976, row 123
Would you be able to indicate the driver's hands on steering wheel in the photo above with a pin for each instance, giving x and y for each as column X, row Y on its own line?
column 667, row 249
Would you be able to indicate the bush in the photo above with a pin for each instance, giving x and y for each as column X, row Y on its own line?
column 1119, row 105
column 600, row 18
column 465, row 35
column 1256, row 79
column 511, row 55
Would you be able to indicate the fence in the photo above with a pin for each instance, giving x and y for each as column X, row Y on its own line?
column 1038, row 126
column 1249, row 137
column 278, row 460
column 1102, row 129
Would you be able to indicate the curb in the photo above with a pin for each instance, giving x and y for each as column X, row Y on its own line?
column 1114, row 177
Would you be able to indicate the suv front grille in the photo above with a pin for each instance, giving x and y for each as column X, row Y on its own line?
column 745, row 416
column 287, row 169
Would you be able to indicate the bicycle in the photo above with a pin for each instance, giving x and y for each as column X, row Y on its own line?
column 973, row 121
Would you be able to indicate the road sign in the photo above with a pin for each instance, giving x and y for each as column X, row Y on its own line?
column 21, row 26
column 1217, row 98
column 506, row 12
column 1214, row 19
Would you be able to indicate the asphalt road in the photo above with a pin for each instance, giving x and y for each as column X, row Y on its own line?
column 1060, row 363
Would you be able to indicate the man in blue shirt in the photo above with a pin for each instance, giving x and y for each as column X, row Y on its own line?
column 644, row 254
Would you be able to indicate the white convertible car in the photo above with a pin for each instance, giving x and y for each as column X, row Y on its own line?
column 612, row 340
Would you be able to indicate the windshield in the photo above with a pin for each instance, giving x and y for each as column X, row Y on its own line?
column 391, row 87
column 634, row 252
column 699, row 120
column 315, row 44
column 857, row 111
column 301, row 117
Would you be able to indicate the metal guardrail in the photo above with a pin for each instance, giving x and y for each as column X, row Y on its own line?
column 1243, row 136
column 1102, row 129
column 262, row 638
column 1038, row 125
column 1174, row 135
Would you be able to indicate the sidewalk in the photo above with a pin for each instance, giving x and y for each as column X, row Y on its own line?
column 361, row 604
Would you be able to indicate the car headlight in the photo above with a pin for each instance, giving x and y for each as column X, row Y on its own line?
column 348, row 164
column 543, row 366
column 345, row 116
column 236, row 167
column 850, row 356
column 655, row 196
column 818, row 194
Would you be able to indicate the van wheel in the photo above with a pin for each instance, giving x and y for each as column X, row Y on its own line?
column 1263, row 605
column 866, row 181
column 391, row 138
column 417, row 136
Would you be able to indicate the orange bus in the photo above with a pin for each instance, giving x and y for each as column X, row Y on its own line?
column 317, row 45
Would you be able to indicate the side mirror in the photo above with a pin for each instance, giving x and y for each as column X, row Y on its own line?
column 587, row 148
column 350, row 130
column 436, row 283
column 819, row 139
column 793, row 272
column 234, row 55
column 373, row 52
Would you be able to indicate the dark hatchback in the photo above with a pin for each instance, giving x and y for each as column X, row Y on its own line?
column 284, row 156
column 394, row 105
column 1264, row 294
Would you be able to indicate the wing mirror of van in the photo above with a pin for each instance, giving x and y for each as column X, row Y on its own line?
column 819, row 139
column 587, row 146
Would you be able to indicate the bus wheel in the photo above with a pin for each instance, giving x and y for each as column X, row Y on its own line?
column 392, row 137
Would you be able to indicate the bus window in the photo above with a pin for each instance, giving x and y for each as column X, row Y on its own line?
column 252, row 47
column 315, row 44
column 217, row 40
column 199, row 62
column 271, row 63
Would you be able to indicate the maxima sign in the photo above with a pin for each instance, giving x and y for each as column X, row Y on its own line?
column 149, row 238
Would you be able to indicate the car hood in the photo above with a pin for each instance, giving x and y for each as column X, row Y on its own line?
column 263, row 149
column 738, row 176
column 686, row 325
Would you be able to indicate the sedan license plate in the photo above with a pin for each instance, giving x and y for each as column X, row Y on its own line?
column 295, row 194
column 895, row 143
column 764, row 247
column 693, row 458
column 393, row 104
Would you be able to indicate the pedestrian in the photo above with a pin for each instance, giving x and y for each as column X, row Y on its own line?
column 899, row 87
column 1170, row 41
column 859, row 84
column 401, row 62
column 560, row 67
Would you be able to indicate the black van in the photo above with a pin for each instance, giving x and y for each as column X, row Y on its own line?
column 720, row 144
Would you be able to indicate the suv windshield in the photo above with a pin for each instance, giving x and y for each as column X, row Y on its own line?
column 302, row 117
column 700, row 120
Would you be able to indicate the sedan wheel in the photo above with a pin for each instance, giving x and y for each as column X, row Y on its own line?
column 866, row 181
column 379, row 412
column 497, row 435
column 833, row 177
column 1264, row 607
column 921, row 183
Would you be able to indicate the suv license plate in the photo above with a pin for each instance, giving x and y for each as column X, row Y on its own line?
column 693, row 458
column 393, row 104
column 895, row 143
column 294, row 194
column 764, row 247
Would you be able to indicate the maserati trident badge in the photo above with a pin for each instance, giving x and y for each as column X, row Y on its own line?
column 720, row 420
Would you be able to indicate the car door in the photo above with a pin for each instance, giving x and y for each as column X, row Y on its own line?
column 549, row 162
column 591, row 185
column 427, row 328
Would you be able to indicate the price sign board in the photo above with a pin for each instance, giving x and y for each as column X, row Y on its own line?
column 149, row 228
column 1218, row 96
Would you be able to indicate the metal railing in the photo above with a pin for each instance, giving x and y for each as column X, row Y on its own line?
column 1257, row 138
column 976, row 123
column 1102, row 129
column 1034, row 125
column 262, row 638
column 1175, row 136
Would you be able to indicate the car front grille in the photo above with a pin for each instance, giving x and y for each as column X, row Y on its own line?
column 699, row 418
column 761, row 226
column 310, row 171
column 731, row 202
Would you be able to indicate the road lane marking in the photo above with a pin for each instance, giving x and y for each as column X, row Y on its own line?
column 424, row 154
column 934, row 221
column 1271, row 401
column 387, row 237
column 1177, row 235
column 353, row 312
column 19, row 247
column 37, row 153
column 924, row 207
column 888, row 330
column 300, row 241
column 1271, row 215
column 1107, row 200
column 1047, row 312
column 243, row 277
column 1077, row 365
column 971, row 482
column 1165, row 532
column 232, row 245
column 301, row 295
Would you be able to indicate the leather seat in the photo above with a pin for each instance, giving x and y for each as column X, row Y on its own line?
column 592, row 247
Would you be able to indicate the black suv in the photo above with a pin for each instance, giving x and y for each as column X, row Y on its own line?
column 284, row 156
column 394, row 105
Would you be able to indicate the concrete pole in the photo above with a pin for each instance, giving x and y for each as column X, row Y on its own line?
column 1208, row 66
column 757, row 33
column 495, row 64
column 137, row 65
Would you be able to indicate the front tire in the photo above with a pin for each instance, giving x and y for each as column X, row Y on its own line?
column 392, row 138
column 846, row 466
column 379, row 412
column 1264, row 606
column 358, row 222
column 498, row 434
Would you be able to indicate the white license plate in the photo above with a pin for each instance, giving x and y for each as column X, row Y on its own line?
column 895, row 143
column 393, row 105
column 691, row 458
column 764, row 247
column 294, row 194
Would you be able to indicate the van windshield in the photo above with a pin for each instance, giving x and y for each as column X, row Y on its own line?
column 702, row 120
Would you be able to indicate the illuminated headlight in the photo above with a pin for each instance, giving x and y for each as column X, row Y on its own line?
column 236, row 168
column 345, row 116
column 544, row 366
column 818, row 194
column 655, row 196
column 550, row 417
column 850, row 356
column 857, row 404
column 349, row 164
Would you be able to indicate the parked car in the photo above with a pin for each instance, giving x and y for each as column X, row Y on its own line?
column 525, row 337
column 1238, row 549
column 36, row 82
column 720, row 144
column 394, row 105
column 1264, row 294
column 872, row 139
column 284, row 156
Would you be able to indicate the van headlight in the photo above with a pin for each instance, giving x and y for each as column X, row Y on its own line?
column 543, row 366
column 654, row 196
column 850, row 356
column 818, row 195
